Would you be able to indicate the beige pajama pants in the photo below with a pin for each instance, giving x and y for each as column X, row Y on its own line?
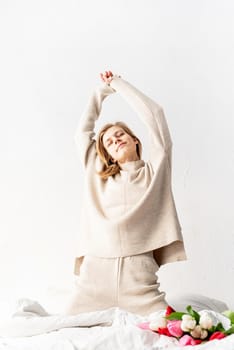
column 129, row 283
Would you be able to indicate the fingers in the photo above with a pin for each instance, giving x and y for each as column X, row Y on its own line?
column 110, row 74
column 104, row 77
column 107, row 76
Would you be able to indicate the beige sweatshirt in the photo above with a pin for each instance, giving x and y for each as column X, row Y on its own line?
column 134, row 211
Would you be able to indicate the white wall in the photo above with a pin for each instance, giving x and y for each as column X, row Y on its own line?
column 181, row 53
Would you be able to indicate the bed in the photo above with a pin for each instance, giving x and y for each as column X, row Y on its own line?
column 32, row 327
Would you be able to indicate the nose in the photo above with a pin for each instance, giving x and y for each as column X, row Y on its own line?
column 117, row 140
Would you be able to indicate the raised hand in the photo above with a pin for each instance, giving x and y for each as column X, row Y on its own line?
column 107, row 76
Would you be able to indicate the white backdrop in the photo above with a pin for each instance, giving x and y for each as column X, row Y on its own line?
column 180, row 53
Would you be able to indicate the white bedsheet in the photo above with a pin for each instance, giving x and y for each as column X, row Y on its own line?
column 110, row 329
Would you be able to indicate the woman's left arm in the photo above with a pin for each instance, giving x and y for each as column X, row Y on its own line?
column 150, row 113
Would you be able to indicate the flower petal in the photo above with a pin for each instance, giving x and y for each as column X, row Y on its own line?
column 174, row 328
column 217, row 335
column 169, row 310
column 144, row 325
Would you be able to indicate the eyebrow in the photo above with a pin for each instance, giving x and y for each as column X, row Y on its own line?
column 116, row 132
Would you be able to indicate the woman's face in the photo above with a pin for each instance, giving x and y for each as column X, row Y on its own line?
column 120, row 145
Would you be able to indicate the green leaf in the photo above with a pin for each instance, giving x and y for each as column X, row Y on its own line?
column 229, row 331
column 175, row 316
column 212, row 329
column 229, row 314
column 193, row 313
column 219, row 327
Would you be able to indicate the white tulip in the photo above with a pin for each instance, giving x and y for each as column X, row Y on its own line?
column 205, row 321
column 204, row 334
column 199, row 333
column 188, row 323
column 160, row 322
column 196, row 332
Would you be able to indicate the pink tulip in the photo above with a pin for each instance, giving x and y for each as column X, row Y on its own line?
column 144, row 325
column 174, row 328
column 187, row 340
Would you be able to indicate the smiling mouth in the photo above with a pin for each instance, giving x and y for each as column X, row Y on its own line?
column 120, row 145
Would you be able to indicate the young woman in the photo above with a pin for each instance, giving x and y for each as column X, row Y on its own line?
column 129, row 221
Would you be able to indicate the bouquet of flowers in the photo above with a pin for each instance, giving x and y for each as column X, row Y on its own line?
column 191, row 327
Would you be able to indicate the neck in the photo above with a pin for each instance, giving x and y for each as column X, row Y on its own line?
column 129, row 159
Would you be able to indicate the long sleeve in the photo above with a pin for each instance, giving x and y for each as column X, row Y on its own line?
column 84, row 134
column 133, row 212
column 150, row 113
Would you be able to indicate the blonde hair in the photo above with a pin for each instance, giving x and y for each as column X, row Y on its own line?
column 110, row 168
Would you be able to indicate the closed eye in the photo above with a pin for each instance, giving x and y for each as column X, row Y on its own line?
column 108, row 144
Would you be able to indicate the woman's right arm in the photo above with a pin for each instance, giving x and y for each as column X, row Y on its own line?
column 84, row 134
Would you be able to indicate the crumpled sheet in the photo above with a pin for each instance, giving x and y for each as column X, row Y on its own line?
column 32, row 328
